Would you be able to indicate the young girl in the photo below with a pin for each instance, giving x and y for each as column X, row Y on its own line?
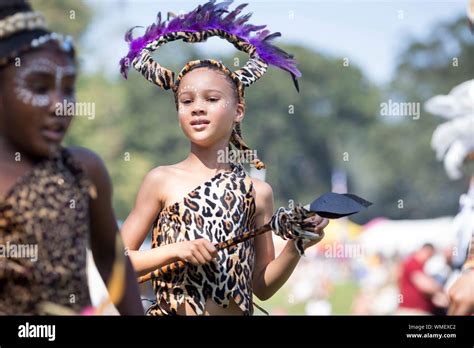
column 202, row 200
column 53, row 200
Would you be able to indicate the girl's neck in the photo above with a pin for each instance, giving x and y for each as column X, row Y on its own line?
column 207, row 158
column 10, row 153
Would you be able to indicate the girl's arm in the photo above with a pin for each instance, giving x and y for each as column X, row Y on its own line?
column 138, row 224
column 271, row 273
column 136, row 227
column 104, row 230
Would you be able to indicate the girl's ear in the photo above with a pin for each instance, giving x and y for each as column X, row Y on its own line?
column 239, row 112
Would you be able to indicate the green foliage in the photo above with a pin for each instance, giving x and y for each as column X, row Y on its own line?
column 301, row 148
column 65, row 16
column 427, row 67
column 333, row 123
column 435, row 64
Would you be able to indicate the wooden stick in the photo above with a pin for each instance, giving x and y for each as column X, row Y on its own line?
column 219, row 246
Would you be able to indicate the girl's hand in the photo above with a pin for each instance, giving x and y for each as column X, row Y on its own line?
column 317, row 226
column 197, row 252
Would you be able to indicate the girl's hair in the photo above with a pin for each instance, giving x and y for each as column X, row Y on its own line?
column 236, row 136
column 10, row 7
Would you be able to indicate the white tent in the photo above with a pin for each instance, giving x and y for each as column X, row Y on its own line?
column 390, row 237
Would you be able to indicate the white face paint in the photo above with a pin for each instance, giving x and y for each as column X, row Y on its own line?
column 41, row 65
column 223, row 104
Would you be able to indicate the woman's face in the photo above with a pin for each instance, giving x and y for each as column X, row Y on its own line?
column 30, row 95
column 207, row 107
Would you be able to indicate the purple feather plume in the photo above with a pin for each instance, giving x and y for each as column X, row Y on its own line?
column 214, row 16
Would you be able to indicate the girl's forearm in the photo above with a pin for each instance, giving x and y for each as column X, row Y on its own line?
column 146, row 261
column 277, row 272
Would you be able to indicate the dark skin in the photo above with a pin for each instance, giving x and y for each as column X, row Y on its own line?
column 31, row 129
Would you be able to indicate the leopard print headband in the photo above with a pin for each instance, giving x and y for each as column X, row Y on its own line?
column 165, row 78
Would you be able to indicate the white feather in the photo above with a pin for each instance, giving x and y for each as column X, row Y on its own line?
column 454, row 140
column 454, row 158
column 447, row 133
column 458, row 103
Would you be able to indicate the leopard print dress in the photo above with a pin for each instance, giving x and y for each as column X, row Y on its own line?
column 221, row 208
column 47, row 214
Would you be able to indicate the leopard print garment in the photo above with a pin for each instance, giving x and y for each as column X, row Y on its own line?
column 221, row 208
column 47, row 209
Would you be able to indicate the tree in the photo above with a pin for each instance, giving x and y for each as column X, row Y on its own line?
column 65, row 16
column 428, row 67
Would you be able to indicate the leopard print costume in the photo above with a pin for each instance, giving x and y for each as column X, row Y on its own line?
column 48, row 207
column 220, row 208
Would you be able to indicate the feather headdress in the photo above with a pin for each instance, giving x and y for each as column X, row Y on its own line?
column 212, row 19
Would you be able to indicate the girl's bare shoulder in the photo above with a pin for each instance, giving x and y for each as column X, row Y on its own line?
column 165, row 173
column 163, row 180
column 263, row 195
column 262, row 187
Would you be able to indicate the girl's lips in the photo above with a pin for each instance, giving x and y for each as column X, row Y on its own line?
column 199, row 127
column 199, row 124
column 55, row 135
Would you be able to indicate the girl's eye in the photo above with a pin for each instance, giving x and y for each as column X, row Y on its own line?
column 213, row 99
column 187, row 101
column 39, row 89
column 69, row 90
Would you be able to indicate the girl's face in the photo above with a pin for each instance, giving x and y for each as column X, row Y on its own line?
column 30, row 94
column 207, row 107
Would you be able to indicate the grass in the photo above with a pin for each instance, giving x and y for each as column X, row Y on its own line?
column 341, row 300
column 342, row 296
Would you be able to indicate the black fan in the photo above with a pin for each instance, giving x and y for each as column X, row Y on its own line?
column 333, row 205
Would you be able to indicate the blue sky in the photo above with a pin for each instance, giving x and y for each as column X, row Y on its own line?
column 370, row 33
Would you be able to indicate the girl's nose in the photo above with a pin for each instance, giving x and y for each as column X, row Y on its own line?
column 199, row 108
